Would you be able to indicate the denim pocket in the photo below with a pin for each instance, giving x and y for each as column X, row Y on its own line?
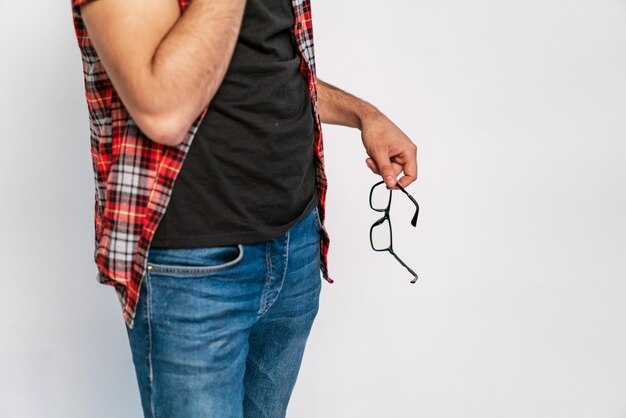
column 191, row 262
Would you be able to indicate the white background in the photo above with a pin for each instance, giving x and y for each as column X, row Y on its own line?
column 518, row 110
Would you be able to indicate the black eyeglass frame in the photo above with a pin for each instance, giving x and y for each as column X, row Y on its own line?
column 387, row 217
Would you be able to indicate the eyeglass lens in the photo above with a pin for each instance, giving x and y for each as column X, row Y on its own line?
column 380, row 234
column 380, row 197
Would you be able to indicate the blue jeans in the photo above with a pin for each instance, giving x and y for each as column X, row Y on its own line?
column 221, row 331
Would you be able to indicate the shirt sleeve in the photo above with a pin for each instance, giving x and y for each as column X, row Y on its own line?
column 76, row 3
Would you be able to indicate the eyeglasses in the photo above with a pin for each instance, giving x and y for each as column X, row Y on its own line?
column 381, row 237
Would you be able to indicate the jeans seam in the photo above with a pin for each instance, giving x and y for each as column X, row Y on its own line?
column 268, row 278
column 285, row 260
column 282, row 279
column 150, row 368
column 318, row 220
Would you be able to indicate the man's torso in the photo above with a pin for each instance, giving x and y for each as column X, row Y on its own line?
column 250, row 173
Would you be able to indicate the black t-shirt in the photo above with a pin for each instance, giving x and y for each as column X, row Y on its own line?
column 249, row 174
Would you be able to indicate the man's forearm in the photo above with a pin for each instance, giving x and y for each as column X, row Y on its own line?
column 338, row 107
column 389, row 150
column 191, row 61
column 166, row 67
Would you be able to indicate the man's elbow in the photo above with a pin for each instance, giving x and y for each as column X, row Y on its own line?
column 163, row 129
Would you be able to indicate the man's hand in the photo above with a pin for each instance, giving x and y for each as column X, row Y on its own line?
column 390, row 151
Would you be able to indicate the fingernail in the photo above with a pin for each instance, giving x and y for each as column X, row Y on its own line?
column 390, row 181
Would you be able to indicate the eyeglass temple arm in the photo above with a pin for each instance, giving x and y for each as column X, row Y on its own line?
column 407, row 267
column 417, row 207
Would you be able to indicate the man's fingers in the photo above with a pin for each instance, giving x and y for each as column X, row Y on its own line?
column 385, row 168
column 371, row 165
column 410, row 171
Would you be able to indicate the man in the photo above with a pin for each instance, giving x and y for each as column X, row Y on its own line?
column 218, row 277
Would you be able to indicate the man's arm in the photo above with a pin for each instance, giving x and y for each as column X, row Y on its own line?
column 165, row 67
column 390, row 150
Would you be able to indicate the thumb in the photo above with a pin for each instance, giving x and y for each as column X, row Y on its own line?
column 386, row 169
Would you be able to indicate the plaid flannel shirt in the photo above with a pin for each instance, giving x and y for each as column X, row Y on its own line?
column 134, row 176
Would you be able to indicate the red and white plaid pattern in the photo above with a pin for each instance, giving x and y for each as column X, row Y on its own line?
column 134, row 176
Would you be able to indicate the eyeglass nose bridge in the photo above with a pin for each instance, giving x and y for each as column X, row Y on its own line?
column 379, row 221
